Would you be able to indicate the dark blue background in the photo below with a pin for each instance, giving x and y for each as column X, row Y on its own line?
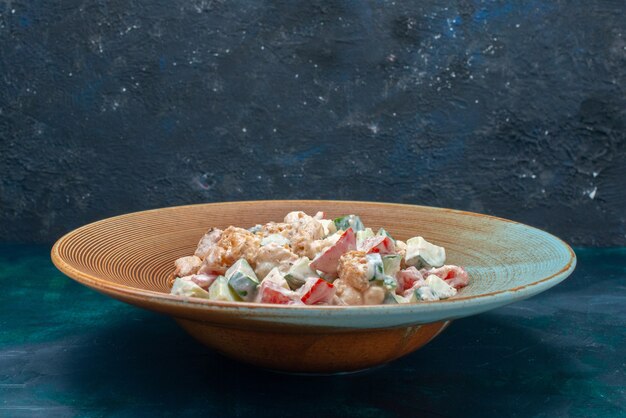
column 504, row 107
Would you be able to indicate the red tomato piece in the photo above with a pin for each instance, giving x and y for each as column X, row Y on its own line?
column 455, row 276
column 329, row 259
column 272, row 293
column 407, row 279
column 380, row 244
column 317, row 290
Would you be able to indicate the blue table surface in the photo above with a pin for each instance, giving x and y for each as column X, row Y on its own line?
column 66, row 350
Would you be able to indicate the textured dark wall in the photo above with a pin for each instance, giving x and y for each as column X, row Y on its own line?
column 513, row 108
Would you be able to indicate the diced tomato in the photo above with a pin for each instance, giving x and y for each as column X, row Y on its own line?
column 407, row 279
column 270, row 292
column 379, row 244
column 455, row 276
column 328, row 260
column 317, row 290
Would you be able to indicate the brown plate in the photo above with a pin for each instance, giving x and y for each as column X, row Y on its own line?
column 130, row 258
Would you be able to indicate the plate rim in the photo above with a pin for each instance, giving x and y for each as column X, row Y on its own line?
column 198, row 304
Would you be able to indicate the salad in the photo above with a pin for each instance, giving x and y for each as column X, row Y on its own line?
column 311, row 260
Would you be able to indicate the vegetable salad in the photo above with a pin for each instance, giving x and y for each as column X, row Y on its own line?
column 311, row 260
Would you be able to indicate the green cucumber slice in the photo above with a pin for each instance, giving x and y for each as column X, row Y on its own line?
column 391, row 264
column 425, row 293
column 241, row 266
column 421, row 253
column 220, row 291
column 349, row 221
column 393, row 299
column 439, row 287
column 390, row 283
column 299, row 272
column 244, row 286
column 182, row 287
column 361, row 236
column 242, row 280
column 275, row 276
column 384, row 233
column 375, row 269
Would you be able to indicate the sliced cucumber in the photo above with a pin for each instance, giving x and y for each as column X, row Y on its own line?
column 383, row 233
column 391, row 264
column 439, row 287
column 361, row 236
column 349, row 221
column 185, row 287
column 390, row 283
column 243, row 267
column 375, row 269
column 276, row 277
column 220, row 291
column 421, row 253
column 299, row 272
column 242, row 280
column 392, row 299
column 425, row 293
column 244, row 286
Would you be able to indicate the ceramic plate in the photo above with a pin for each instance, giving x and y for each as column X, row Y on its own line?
column 130, row 258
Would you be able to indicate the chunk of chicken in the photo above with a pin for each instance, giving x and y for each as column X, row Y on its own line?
column 346, row 295
column 186, row 266
column 270, row 228
column 207, row 241
column 374, row 295
column 273, row 255
column 313, row 248
column 353, row 270
column 306, row 231
column 234, row 243
column 296, row 216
